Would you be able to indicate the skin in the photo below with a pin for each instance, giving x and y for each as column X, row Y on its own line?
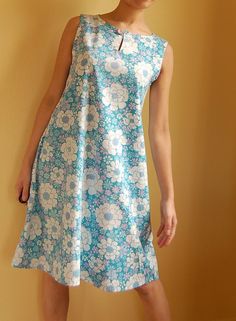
column 129, row 14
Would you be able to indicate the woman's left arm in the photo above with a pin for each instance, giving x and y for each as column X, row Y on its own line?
column 160, row 143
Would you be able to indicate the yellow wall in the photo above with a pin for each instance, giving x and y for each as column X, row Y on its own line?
column 198, row 268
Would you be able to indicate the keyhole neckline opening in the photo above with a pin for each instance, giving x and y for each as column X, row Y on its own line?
column 122, row 31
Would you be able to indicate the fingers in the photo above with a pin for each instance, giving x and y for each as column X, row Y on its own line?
column 161, row 227
column 22, row 199
column 168, row 231
column 22, row 193
column 18, row 190
column 25, row 193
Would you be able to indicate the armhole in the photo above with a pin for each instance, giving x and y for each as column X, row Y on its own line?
column 77, row 33
column 164, row 50
column 159, row 59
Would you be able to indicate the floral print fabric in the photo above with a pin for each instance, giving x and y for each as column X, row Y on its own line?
column 88, row 214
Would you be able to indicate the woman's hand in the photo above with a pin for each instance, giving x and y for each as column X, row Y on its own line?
column 23, row 184
column 168, row 224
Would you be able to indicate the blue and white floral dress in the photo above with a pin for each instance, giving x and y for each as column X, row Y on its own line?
column 88, row 214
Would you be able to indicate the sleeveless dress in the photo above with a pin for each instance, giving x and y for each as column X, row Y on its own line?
column 88, row 213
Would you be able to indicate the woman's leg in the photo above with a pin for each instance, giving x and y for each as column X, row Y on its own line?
column 55, row 299
column 154, row 300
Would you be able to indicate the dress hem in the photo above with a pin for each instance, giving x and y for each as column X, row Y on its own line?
column 152, row 278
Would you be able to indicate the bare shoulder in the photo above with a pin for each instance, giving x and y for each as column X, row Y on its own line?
column 73, row 21
column 72, row 24
column 70, row 29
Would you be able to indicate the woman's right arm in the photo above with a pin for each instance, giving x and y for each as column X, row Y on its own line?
column 47, row 105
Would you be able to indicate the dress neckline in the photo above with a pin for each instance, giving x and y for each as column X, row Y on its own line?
column 122, row 31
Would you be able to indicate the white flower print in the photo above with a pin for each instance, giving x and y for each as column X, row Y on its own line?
column 93, row 21
column 40, row 263
column 124, row 196
column 88, row 117
column 149, row 42
column 72, row 272
column 89, row 185
column 85, row 275
column 69, row 78
column 152, row 260
column 70, row 216
column 139, row 145
column 140, row 206
column 115, row 96
column 133, row 240
column 33, row 173
column 115, row 171
column 19, row 253
column 157, row 60
column 57, row 268
column 111, row 285
column 46, row 153
column 31, row 198
column 57, row 175
column 135, row 280
column 96, row 264
column 71, row 244
column 109, row 216
column 85, row 89
column 33, row 228
column 72, row 185
column 115, row 66
column 47, row 245
column 134, row 230
column 137, row 101
column 138, row 175
column 150, row 236
column 90, row 148
column 47, row 196
column 53, row 227
column 114, row 141
column 69, row 149
column 85, row 209
column 84, row 64
column 86, row 238
column 133, row 260
column 94, row 39
column 129, row 46
column 92, row 181
column 109, row 248
column 65, row 119
column 132, row 120
column 143, row 72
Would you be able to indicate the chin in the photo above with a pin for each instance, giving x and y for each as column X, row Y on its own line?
column 139, row 4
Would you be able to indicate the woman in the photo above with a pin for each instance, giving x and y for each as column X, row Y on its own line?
column 84, row 174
